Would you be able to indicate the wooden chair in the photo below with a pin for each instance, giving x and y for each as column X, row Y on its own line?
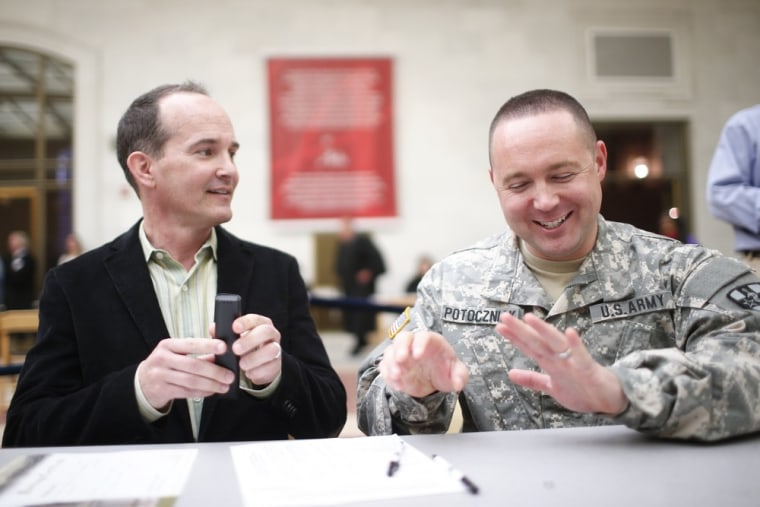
column 15, row 321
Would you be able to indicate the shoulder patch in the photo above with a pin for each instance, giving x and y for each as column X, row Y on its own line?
column 398, row 324
column 747, row 296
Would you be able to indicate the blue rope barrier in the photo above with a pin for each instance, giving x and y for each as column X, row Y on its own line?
column 11, row 369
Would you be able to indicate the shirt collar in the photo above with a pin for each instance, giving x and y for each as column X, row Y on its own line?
column 148, row 248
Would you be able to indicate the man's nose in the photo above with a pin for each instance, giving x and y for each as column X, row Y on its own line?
column 545, row 197
column 227, row 168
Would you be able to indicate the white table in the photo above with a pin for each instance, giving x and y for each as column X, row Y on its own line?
column 588, row 467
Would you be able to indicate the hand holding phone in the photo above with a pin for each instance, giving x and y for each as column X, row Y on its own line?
column 227, row 308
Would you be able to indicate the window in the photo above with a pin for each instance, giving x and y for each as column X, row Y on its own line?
column 36, row 108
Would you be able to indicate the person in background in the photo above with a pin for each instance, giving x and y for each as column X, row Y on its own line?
column 2, row 285
column 668, row 227
column 674, row 228
column 73, row 248
column 358, row 263
column 124, row 353
column 566, row 319
column 423, row 265
column 20, row 270
column 733, row 182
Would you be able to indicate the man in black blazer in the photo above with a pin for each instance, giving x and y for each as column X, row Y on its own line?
column 123, row 355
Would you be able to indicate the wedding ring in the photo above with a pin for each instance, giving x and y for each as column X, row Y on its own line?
column 565, row 354
column 279, row 351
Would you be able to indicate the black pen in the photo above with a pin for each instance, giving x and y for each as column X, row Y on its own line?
column 471, row 487
column 395, row 462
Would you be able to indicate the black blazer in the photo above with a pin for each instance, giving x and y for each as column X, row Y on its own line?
column 99, row 317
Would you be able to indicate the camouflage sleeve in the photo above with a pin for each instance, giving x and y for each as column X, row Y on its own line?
column 708, row 386
column 382, row 411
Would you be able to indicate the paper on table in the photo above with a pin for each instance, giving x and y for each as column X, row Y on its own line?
column 57, row 478
column 335, row 470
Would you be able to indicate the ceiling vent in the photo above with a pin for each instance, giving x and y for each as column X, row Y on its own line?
column 631, row 55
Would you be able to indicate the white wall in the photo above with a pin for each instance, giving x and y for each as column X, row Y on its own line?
column 455, row 63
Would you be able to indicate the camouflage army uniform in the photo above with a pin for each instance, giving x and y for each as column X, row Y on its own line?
column 678, row 325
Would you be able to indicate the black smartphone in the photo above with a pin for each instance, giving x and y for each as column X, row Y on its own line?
column 227, row 308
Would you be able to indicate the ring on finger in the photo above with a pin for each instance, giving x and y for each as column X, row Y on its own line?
column 565, row 354
column 279, row 351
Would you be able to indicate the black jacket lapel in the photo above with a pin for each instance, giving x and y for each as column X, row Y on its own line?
column 129, row 273
column 234, row 265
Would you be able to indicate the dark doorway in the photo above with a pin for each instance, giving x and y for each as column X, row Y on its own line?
column 647, row 172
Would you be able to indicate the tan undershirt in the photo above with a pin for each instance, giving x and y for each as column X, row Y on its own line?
column 552, row 275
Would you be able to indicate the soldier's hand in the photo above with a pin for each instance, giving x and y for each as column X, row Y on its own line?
column 570, row 375
column 422, row 363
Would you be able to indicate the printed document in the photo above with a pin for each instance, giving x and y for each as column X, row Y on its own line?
column 334, row 471
column 141, row 478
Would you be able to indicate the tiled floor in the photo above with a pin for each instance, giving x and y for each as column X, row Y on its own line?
column 338, row 346
column 7, row 385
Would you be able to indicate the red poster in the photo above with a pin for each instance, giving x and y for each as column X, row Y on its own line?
column 332, row 137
